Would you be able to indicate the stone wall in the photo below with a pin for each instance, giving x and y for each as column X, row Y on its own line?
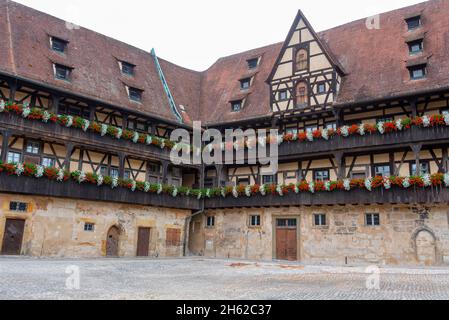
column 407, row 235
column 55, row 227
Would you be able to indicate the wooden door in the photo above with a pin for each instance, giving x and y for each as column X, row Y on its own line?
column 112, row 242
column 13, row 237
column 286, row 240
column 143, row 242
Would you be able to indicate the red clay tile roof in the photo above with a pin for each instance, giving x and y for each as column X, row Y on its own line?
column 374, row 62
column 93, row 56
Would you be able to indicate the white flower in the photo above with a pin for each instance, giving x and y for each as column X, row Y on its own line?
column 114, row 182
column 208, row 193
column 312, row 187
column 399, row 125
column 118, row 133
column 446, row 179
column 81, row 177
column 2, row 105
column 344, row 131
column 279, row 190
column 248, row 191
column 327, row 186
column 223, row 192
column 147, row 186
column 69, row 121
column 262, row 190
column 148, row 139
column 19, row 169
column 174, row 192
column 296, row 189
column 100, row 180
column 406, row 183
column 159, row 188
column 347, row 184
column 86, row 124
column 235, row 192
column 426, row 121
column 26, row 112
column 325, row 134
column 200, row 195
column 387, row 183
column 46, row 116
column 445, row 115
column 104, row 130
column 262, row 141
column 309, row 136
column 362, row 129
column 368, row 184
column 162, row 143
column 133, row 185
column 381, row 127
column 39, row 171
column 427, row 180
column 136, row 137
column 60, row 176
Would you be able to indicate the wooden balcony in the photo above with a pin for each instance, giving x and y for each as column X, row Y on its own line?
column 355, row 197
column 369, row 142
column 73, row 190
column 53, row 132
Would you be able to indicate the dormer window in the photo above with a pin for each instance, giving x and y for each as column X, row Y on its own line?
column 58, row 45
column 418, row 72
column 413, row 23
column 135, row 94
column 62, row 72
column 253, row 63
column 245, row 83
column 127, row 68
column 415, row 47
column 236, row 106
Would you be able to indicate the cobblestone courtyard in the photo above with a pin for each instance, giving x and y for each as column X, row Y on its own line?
column 26, row 278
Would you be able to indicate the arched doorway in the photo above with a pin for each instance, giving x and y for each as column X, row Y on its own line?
column 112, row 242
column 425, row 243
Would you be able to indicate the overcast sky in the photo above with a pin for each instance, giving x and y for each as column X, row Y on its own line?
column 195, row 33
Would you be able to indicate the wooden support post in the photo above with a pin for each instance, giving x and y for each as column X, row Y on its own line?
column 6, row 134
column 81, row 160
column 92, row 111
column 414, row 106
column 202, row 176
column 416, row 148
column 219, row 178
column 341, row 166
column 392, row 164
column 339, row 117
column 165, row 164
column 55, row 103
column 445, row 159
column 69, row 151
column 12, row 90
column 300, row 177
column 121, row 168
column 124, row 121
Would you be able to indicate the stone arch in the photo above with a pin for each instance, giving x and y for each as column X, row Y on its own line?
column 425, row 245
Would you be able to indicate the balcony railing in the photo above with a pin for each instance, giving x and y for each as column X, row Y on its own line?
column 73, row 190
column 356, row 197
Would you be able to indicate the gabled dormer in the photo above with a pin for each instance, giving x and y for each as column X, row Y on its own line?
column 305, row 75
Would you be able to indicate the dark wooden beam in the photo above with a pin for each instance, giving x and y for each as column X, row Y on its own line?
column 6, row 134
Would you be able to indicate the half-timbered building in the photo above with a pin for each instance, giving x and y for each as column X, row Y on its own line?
column 361, row 111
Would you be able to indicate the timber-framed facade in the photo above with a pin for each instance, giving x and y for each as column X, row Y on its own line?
column 363, row 162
